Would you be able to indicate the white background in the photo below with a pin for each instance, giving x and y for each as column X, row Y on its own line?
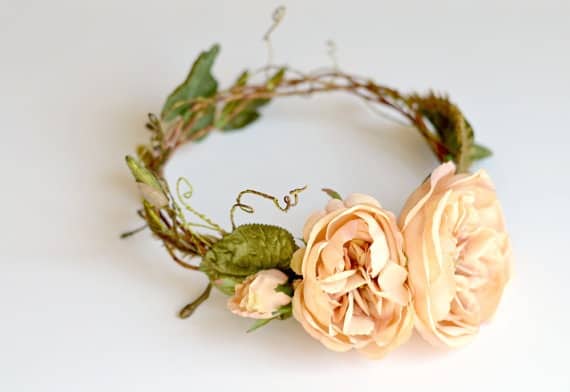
column 81, row 310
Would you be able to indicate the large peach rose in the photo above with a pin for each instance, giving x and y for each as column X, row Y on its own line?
column 459, row 254
column 353, row 293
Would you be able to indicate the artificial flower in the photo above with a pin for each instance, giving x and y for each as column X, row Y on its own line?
column 353, row 294
column 459, row 254
column 257, row 296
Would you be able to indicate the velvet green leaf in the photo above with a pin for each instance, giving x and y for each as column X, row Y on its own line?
column 248, row 249
column 227, row 284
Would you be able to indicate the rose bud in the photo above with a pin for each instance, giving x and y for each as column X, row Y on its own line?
column 257, row 296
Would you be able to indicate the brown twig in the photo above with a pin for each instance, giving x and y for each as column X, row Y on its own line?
column 294, row 83
column 301, row 84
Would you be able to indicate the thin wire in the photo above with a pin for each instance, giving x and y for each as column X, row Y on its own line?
column 278, row 15
column 287, row 202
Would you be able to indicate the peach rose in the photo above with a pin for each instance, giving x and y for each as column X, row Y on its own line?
column 459, row 254
column 256, row 297
column 353, row 293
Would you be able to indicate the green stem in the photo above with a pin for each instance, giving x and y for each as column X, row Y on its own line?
column 132, row 232
column 191, row 307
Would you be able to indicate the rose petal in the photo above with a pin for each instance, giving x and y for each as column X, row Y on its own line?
column 392, row 280
column 297, row 261
column 359, row 198
column 379, row 252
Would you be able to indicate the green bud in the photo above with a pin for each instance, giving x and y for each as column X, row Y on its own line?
column 149, row 185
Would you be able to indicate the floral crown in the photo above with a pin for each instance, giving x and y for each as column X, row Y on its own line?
column 362, row 279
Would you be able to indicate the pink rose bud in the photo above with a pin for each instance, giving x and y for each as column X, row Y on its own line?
column 256, row 297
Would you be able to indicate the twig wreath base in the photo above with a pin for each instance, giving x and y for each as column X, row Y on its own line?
column 359, row 280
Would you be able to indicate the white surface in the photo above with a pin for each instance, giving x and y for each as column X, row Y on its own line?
column 83, row 311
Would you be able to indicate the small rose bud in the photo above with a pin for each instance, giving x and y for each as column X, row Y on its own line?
column 149, row 184
column 155, row 197
column 256, row 297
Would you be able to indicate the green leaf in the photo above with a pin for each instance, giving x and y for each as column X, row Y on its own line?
column 230, row 120
column 205, row 119
column 248, row 249
column 241, row 120
column 153, row 219
column 258, row 324
column 144, row 154
column 142, row 174
column 286, row 289
column 282, row 313
column 479, row 152
column 227, row 284
column 199, row 83
column 453, row 129
column 242, row 79
column 332, row 193
column 276, row 79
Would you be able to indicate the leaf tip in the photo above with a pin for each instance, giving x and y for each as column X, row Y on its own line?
column 332, row 193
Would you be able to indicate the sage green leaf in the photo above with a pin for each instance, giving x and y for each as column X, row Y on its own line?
column 230, row 120
column 479, row 152
column 276, row 79
column 332, row 193
column 242, row 79
column 282, row 313
column 222, row 281
column 227, row 284
column 241, row 120
column 452, row 128
column 286, row 289
column 205, row 119
column 248, row 249
column 258, row 324
column 144, row 154
column 142, row 174
column 153, row 219
column 199, row 83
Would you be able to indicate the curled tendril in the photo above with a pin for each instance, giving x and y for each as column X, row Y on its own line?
column 277, row 18
column 332, row 53
column 184, row 196
column 287, row 202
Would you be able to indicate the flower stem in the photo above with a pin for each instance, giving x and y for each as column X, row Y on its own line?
column 189, row 309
